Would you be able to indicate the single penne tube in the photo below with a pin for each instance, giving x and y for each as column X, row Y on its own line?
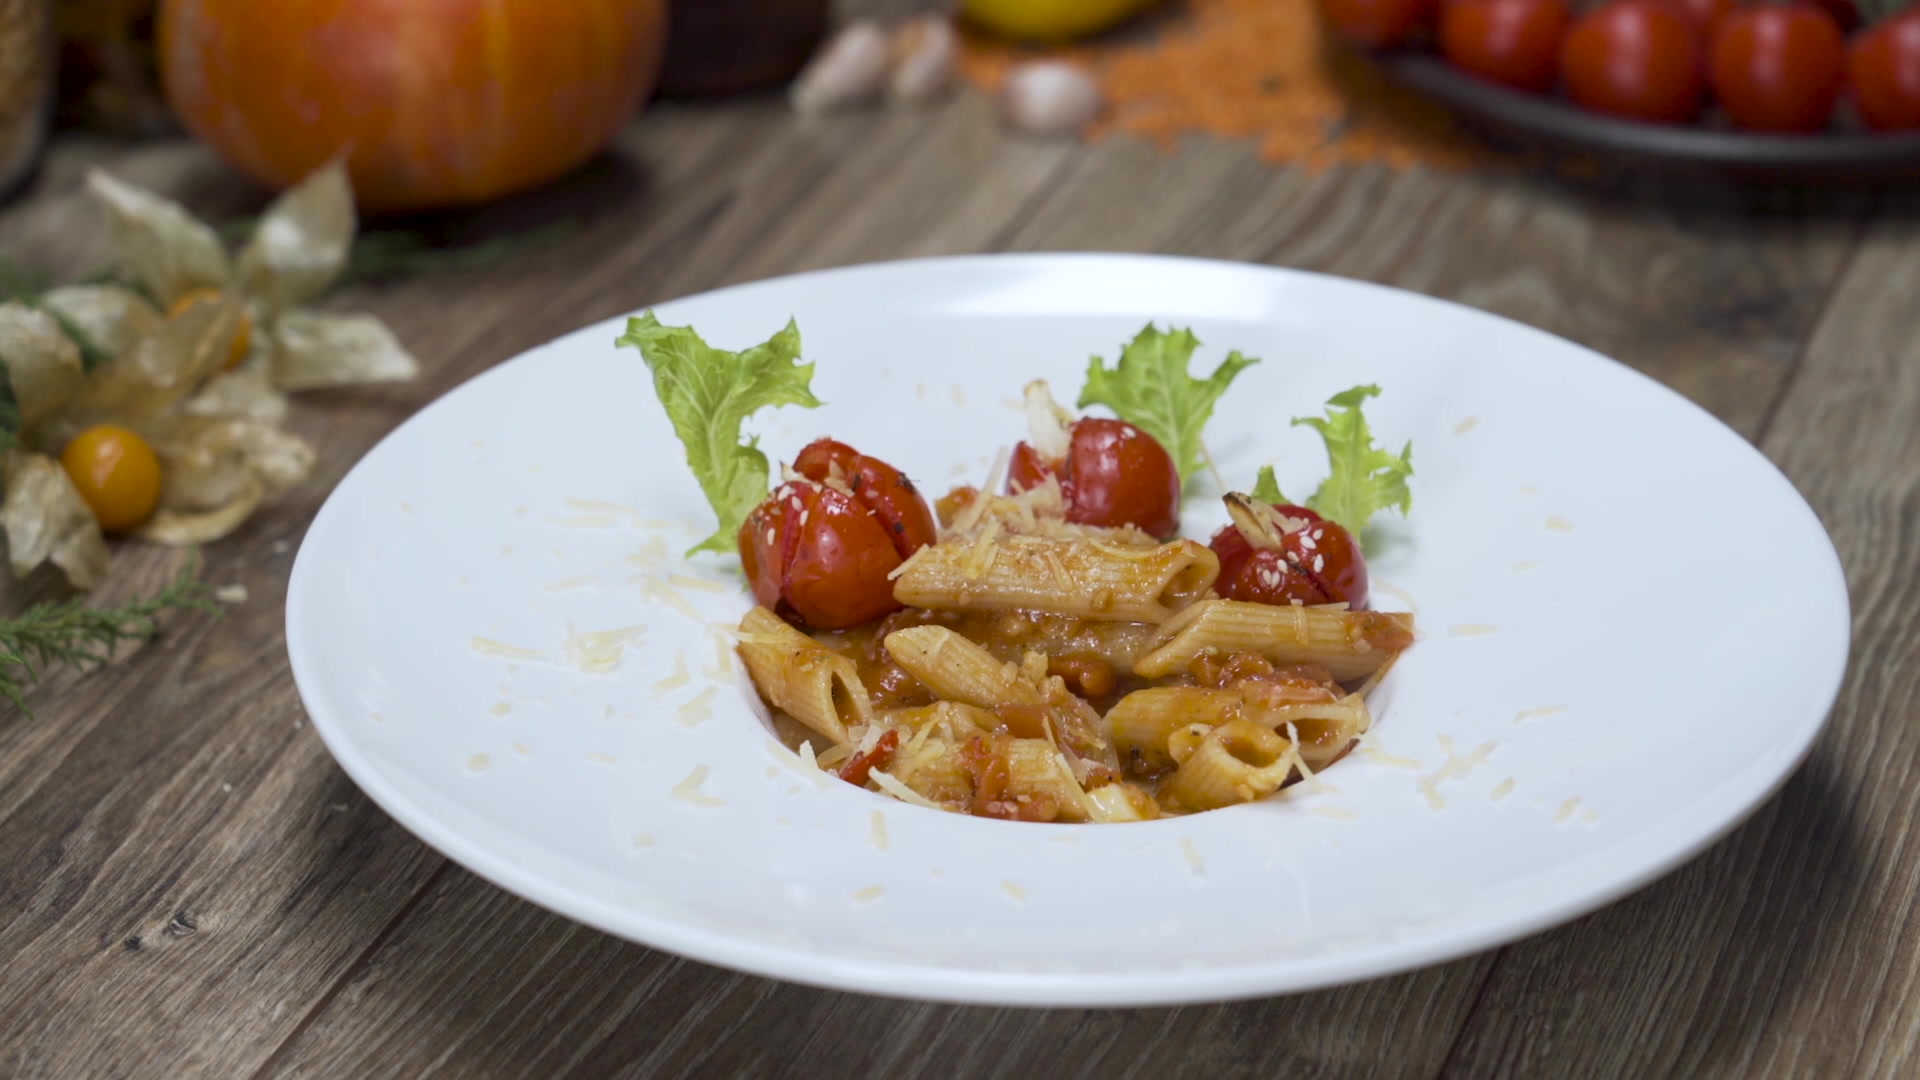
column 1237, row 762
column 1144, row 720
column 1349, row 644
column 1036, row 770
column 802, row 678
column 1120, row 802
column 956, row 669
column 1091, row 579
column 949, row 719
column 933, row 769
column 1323, row 732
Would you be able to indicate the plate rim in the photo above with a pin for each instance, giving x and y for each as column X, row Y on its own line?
column 923, row 982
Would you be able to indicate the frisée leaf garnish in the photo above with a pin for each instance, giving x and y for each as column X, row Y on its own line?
column 707, row 394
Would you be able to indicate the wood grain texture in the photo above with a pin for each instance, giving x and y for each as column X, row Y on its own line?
column 285, row 927
column 1793, row 948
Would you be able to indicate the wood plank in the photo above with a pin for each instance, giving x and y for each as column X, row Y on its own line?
column 187, row 872
column 584, row 1005
column 1793, row 948
column 475, row 982
column 1712, row 302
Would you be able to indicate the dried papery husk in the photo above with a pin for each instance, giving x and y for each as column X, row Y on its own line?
column 209, row 461
column 248, row 393
column 46, row 520
column 1050, row 97
column 43, row 364
column 167, row 250
column 184, row 528
column 926, row 52
column 849, row 72
column 301, row 243
column 159, row 370
column 110, row 316
column 311, row 351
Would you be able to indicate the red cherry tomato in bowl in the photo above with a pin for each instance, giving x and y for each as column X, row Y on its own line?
column 1375, row 24
column 1288, row 554
column 1778, row 68
column 1516, row 42
column 1705, row 14
column 822, row 551
column 1113, row 475
column 1884, row 68
column 1636, row 58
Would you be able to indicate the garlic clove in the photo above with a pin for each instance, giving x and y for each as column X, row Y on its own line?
column 1049, row 97
column 925, row 52
column 849, row 72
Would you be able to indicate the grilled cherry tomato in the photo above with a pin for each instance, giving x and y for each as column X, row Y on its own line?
column 1113, row 475
column 1637, row 58
column 1283, row 554
column 1884, row 68
column 1778, row 68
column 875, row 485
column 821, row 551
column 1516, row 42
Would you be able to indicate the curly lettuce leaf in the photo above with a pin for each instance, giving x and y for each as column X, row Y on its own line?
column 1267, row 489
column 708, row 393
column 1150, row 388
column 1364, row 479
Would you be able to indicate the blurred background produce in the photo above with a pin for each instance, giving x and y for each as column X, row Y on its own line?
column 26, row 86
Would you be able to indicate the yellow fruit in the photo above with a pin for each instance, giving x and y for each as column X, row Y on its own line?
column 1049, row 20
column 242, row 337
column 116, row 473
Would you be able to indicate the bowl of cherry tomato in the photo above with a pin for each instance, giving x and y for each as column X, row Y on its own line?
column 1794, row 91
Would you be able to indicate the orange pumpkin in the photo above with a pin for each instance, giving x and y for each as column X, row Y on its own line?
column 435, row 102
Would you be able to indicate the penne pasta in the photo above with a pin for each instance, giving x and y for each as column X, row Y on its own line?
column 809, row 682
column 1121, row 802
column 1146, row 723
column 1237, row 762
column 1036, row 770
column 956, row 669
column 1350, row 644
column 1085, row 578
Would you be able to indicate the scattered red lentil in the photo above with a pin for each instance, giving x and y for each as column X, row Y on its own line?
column 1250, row 69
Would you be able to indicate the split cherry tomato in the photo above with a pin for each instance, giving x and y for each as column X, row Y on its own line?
column 1516, row 42
column 1778, row 68
column 874, row 484
column 1884, row 68
column 1636, row 58
column 1375, row 24
column 1282, row 554
column 1113, row 475
column 821, row 551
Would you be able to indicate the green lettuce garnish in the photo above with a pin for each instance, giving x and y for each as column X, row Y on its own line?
column 708, row 393
column 1364, row 479
column 1149, row 388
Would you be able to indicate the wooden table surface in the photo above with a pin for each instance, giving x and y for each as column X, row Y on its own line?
column 190, row 887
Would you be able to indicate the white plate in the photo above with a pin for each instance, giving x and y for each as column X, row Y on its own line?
column 1623, row 598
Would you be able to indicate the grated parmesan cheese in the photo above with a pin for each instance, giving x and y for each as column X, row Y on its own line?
column 231, row 594
column 675, row 681
column 869, row 894
column 1192, row 855
column 1335, row 813
column 601, row 759
column 1566, row 810
column 598, row 652
column 1501, row 790
column 569, row 583
column 699, row 710
column 490, row 647
column 688, row 790
column 584, row 521
column 698, row 584
column 885, row 782
column 877, row 830
column 1014, row 890
column 598, row 506
column 1525, row 715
